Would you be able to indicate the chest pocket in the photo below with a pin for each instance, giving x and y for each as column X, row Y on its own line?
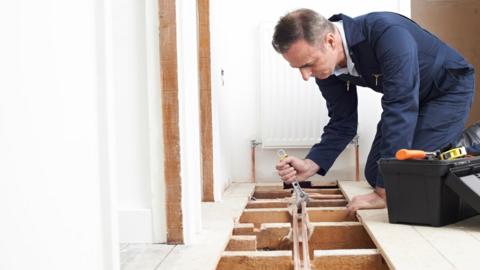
column 373, row 78
column 366, row 64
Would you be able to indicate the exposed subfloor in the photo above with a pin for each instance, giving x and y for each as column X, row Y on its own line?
column 218, row 224
column 403, row 246
column 267, row 233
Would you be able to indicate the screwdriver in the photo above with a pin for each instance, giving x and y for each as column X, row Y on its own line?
column 404, row 154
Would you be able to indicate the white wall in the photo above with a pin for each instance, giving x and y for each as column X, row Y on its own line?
column 155, row 118
column 189, row 117
column 56, row 195
column 222, row 167
column 235, row 49
column 137, row 120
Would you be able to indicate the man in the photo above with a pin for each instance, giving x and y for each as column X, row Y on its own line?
column 427, row 87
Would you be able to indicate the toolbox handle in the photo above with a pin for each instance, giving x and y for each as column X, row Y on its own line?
column 465, row 181
column 465, row 170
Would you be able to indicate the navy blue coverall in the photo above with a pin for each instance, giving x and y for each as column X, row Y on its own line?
column 427, row 90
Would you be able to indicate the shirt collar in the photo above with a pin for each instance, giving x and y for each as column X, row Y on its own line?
column 350, row 68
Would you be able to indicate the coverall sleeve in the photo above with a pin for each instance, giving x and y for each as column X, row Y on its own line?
column 396, row 51
column 342, row 126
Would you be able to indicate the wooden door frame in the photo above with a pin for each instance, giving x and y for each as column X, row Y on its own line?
column 203, row 11
column 170, row 111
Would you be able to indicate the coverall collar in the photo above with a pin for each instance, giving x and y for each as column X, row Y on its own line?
column 353, row 31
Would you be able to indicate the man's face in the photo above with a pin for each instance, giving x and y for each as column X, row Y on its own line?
column 312, row 61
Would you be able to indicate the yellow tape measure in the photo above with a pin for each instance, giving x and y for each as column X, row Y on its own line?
column 453, row 153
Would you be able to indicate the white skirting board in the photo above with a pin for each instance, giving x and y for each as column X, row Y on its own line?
column 135, row 226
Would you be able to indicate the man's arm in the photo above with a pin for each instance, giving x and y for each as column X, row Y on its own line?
column 342, row 126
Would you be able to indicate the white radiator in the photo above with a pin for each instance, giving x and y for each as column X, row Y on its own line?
column 292, row 111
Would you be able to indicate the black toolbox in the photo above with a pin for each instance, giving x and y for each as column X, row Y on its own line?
column 431, row 192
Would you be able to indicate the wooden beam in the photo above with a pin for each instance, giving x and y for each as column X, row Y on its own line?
column 271, row 236
column 339, row 235
column 348, row 259
column 170, row 110
column 272, row 194
column 320, row 196
column 324, row 184
column 323, row 190
column 304, row 237
column 268, row 186
column 327, row 203
column 243, row 229
column 265, row 215
column 274, row 236
column 327, row 214
column 206, row 137
column 284, row 203
column 242, row 242
column 268, row 203
column 254, row 260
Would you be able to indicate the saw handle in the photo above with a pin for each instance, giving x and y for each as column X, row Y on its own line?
column 404, row 154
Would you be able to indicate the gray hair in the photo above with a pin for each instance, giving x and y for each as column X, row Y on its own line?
column 300, row 24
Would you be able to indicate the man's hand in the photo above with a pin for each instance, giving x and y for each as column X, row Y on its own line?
column 292, row 168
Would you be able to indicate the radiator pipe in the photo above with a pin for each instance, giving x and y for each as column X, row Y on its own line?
column 357, row 158
column 253, row 144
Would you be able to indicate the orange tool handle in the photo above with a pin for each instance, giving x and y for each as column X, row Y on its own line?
column 403, row 154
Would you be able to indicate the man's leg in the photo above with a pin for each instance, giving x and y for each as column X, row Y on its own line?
column 371, row 167
column 377, row 198
column 441, row 121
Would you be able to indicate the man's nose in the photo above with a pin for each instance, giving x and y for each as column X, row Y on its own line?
column 306, row 73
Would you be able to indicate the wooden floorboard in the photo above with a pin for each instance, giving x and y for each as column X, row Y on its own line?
column 455, row 243
column 454, row 246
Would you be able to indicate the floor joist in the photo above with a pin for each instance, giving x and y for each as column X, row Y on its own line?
column 348, row 259
column 284, row 203
column 339, row 235
column 264, row 235
column 254, row 260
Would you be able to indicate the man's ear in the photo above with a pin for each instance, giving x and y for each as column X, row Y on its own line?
column 330, row 40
